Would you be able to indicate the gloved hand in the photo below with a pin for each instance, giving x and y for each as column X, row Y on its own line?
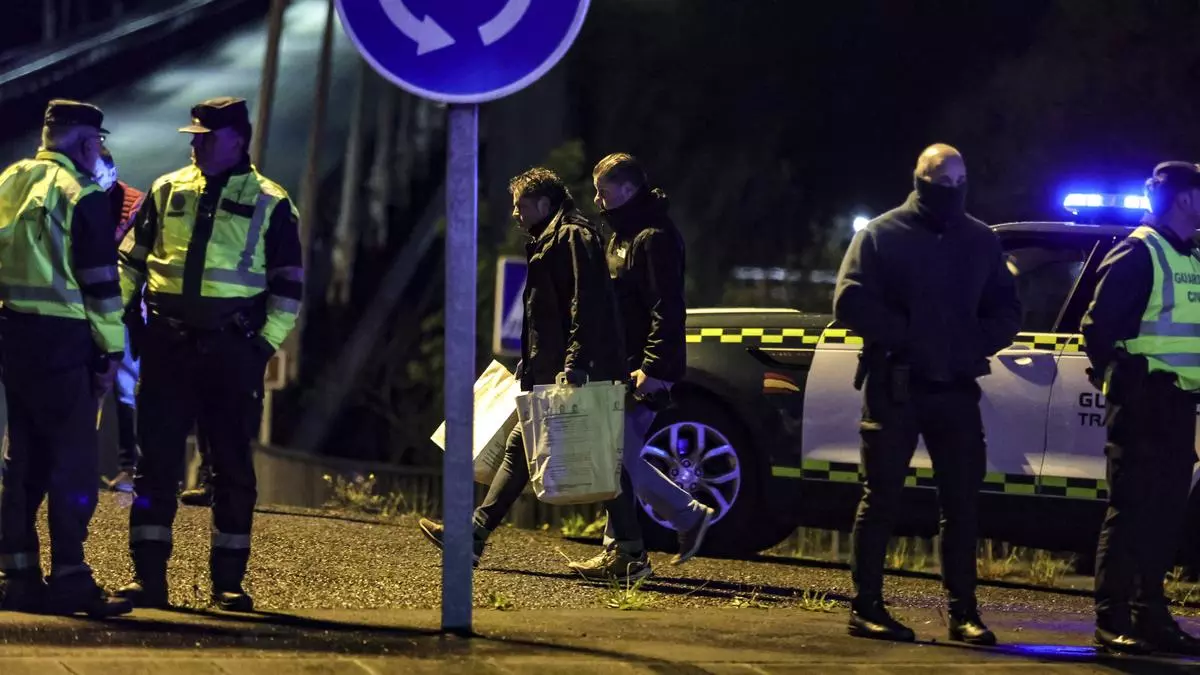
column 575, row 377
column 104, row 373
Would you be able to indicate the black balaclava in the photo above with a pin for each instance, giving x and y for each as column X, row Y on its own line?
column 945, row 203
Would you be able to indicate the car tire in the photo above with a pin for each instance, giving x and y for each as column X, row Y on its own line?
column 742, row 528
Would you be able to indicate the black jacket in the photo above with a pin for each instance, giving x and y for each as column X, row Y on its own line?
column 646, row 263
column 937, row 295
column 570, row 315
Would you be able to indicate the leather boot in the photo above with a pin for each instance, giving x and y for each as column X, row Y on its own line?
column 869, row 619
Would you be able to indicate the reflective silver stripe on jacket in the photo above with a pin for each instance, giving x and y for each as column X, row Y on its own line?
column 95, row 275
column 282, row 304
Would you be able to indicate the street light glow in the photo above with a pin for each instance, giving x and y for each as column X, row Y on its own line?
column 860, row 223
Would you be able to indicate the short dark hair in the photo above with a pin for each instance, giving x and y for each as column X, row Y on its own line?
column 540, row 182
column 621, row 167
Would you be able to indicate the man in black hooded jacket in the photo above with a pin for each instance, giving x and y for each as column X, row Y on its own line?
column 646, row 263
column 926, row 287
column 570, row 326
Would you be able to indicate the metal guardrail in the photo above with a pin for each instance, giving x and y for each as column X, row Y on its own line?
column 66, row 72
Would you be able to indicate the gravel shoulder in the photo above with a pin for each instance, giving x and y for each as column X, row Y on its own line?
column 312, row 560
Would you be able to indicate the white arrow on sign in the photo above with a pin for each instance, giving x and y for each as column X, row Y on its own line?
column 428, row 35
column 503, row 23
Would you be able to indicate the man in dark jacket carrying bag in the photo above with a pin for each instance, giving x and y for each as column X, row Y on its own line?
column 646, row 261
column 926, row 287
column 570, row 325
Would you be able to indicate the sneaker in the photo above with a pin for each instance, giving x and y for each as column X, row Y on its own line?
column 692, row 538
column 122, row 482
column 434, row 532
column 613, row 564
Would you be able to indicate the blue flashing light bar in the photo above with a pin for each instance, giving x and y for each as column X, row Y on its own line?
column 1076, row 201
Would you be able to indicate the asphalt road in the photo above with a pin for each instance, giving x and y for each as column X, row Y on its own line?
column 144, row 115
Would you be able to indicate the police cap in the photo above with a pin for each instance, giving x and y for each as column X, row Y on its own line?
column 225, row 112
column 62, row 112
column 1170, row 179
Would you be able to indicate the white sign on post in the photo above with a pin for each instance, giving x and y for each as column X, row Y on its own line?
column 463, row 52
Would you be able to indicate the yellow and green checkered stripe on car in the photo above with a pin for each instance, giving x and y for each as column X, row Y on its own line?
column 1005, row 483
column 811, row 337
column 783, row 337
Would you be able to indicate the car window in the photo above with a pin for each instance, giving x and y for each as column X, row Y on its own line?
column 1044, row 277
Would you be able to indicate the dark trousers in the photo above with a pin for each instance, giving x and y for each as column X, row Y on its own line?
column 947, row 417
column 216, row 379
column 506, row 487
column 53, row 444
column 1151, row 451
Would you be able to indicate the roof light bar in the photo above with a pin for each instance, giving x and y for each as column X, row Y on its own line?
column 1078, row 200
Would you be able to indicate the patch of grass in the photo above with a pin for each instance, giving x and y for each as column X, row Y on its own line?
column 988, row 565
column 812, row 601
column 1179, row 591
column 498, row 601
column 752, row 602
column 358, row 494
column 907, row 555
column 628, row 597
column 576, row 525
column 1048, row 570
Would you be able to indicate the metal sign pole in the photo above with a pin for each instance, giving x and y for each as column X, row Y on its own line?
column 462, row 195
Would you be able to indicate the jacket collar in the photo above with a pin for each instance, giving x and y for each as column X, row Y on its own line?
column 61, row 159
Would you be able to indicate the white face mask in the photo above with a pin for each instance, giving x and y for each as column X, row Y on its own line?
column 104, row 174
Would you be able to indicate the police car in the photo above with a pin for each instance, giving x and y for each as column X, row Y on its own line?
column 765, row 426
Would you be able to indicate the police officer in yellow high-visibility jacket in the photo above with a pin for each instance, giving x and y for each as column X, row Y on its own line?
column 217, row 250
column 62, row 339
column 1142, row 334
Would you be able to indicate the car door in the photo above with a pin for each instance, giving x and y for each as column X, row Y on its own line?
column 1074, row 464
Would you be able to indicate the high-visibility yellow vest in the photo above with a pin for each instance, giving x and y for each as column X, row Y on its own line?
column 37, row 206
column 1169, row 337
column 235, row 258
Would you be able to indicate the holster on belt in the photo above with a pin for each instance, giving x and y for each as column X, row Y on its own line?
column 892, row 366
column 1127, row 377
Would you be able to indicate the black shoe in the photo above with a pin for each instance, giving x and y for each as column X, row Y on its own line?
column 147, row 595
column 23, row 594
column 434, row 532
column 233, row 601
column 1121, row 643
column 1167, row 637
column 871, row 620
column 80, row 594
column 201, row 495
column 969, row 628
